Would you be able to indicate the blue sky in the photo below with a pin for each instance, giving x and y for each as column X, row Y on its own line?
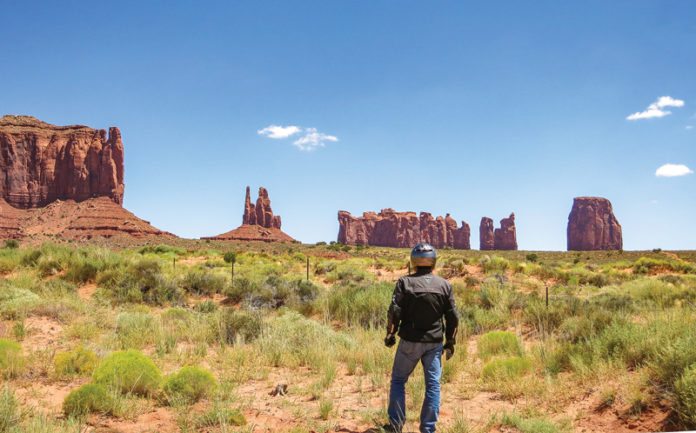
column 450, row 106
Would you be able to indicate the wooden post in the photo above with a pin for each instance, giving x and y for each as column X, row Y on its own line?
column 232, row 271
column 547, row 296
column 174, row 262
column 307, row 268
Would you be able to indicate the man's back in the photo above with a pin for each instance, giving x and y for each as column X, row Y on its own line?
column 424, row 300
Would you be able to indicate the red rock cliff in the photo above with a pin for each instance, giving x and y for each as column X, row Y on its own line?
column 593, row 226
column 389, row 228
column 42, row 163
column 503, row 238
column 258, row 222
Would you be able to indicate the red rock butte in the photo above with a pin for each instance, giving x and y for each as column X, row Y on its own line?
column 63, row 182
column 503, row 238
column 593, row 226
column 390, row 228
column 258, row 222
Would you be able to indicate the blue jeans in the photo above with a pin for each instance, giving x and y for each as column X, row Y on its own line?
column 408, row 354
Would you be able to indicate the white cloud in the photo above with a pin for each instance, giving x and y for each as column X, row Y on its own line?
column 689, row 127
column 313, row 139
column 310, row 138
column 655, row 110
column 673, row 170
column 279, row 132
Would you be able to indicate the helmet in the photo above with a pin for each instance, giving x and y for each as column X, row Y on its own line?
column 423, row 255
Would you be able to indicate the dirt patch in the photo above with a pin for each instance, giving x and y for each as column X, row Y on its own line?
column 42, row 333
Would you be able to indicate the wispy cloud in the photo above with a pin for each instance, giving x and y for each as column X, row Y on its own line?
column 279, row 132
column 309, row 138
column 656, row 109
column 689, row 127
column 312, row 139
column 673, row 170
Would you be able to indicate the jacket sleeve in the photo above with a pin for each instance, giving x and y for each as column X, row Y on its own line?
column 396, row 307
column 451, row 316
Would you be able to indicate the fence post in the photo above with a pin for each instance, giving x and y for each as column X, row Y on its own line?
column 307, row 268
column 547, row 296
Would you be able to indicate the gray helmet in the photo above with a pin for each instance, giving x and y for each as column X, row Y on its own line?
column 422, row 255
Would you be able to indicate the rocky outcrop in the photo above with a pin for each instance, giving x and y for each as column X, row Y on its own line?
column 503, row 238
column 593, row 226
column 258, row 222
column 95, row 218
column 261, row 213
column 506, row 235
column 390, row 228
column 486, row 234
column 64, row 182
column 41, row 163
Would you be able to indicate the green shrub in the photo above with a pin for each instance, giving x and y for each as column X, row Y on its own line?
column 189, row 385
column 11, row 244
column 140, row 281
column 48, row 266
column 89, row 398
column 206, row 306
column 238, row 326
column 9, row 411
column 499, row 343
column 161, row 249
column 129, row 372
column 221, row 417
column 135, row 330
column 230, row 257
column 30, row 257
column 685, row 391
column 361, row 305
column 531, row 425
column 79, row 361
column 292, row 339
column 203, row 282
column 16, row 302
column 505, row 368
column 11, row 358
column 494, row 264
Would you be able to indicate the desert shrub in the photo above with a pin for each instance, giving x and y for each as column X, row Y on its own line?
column 646, row 265
column 478, row 320
column 141, row 281
column 221, row 417
column 685, row 393
column 241, row 288
column 291, row 339
column 238, row 326
column 11, row 359
column 79, row 361
column 129, row 372
column 203, row 282
column 531, row 425
column 454, row 268
column 656, row 292
column 189, row 385
column 134, row 330
column 89, row 398
column 360, row 304
column 532, row 257
column 30, row 257
column 82, row 270
column 16, row 302
column 505, row 368
column 499, row 343
column 347, row 272
column 628, row 342
column 47, row 266
column 585, row 326
column 206, row 306
column 494, row 264
column 161, row 249
column 272, row 292
column 567, row 357
column 324, row 267
column 11, row 244
column 9, row 410
column 675, row 354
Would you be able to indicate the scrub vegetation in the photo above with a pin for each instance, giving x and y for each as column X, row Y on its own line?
column 100, row 339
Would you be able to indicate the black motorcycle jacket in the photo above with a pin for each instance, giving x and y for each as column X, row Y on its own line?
column 420, row 303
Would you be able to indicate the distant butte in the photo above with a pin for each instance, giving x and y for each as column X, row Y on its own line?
column 593, row 226
column 64, row 182
column 503, row 238
column 390, row 228
column 258, row 222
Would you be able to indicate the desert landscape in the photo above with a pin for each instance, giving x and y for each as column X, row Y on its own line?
column 257, row 217
column 111, row 325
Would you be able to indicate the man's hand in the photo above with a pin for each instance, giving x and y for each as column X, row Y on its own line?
column 390, row 340
column 448, row 349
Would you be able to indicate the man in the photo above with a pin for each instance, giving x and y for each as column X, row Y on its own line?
column 420, row 302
